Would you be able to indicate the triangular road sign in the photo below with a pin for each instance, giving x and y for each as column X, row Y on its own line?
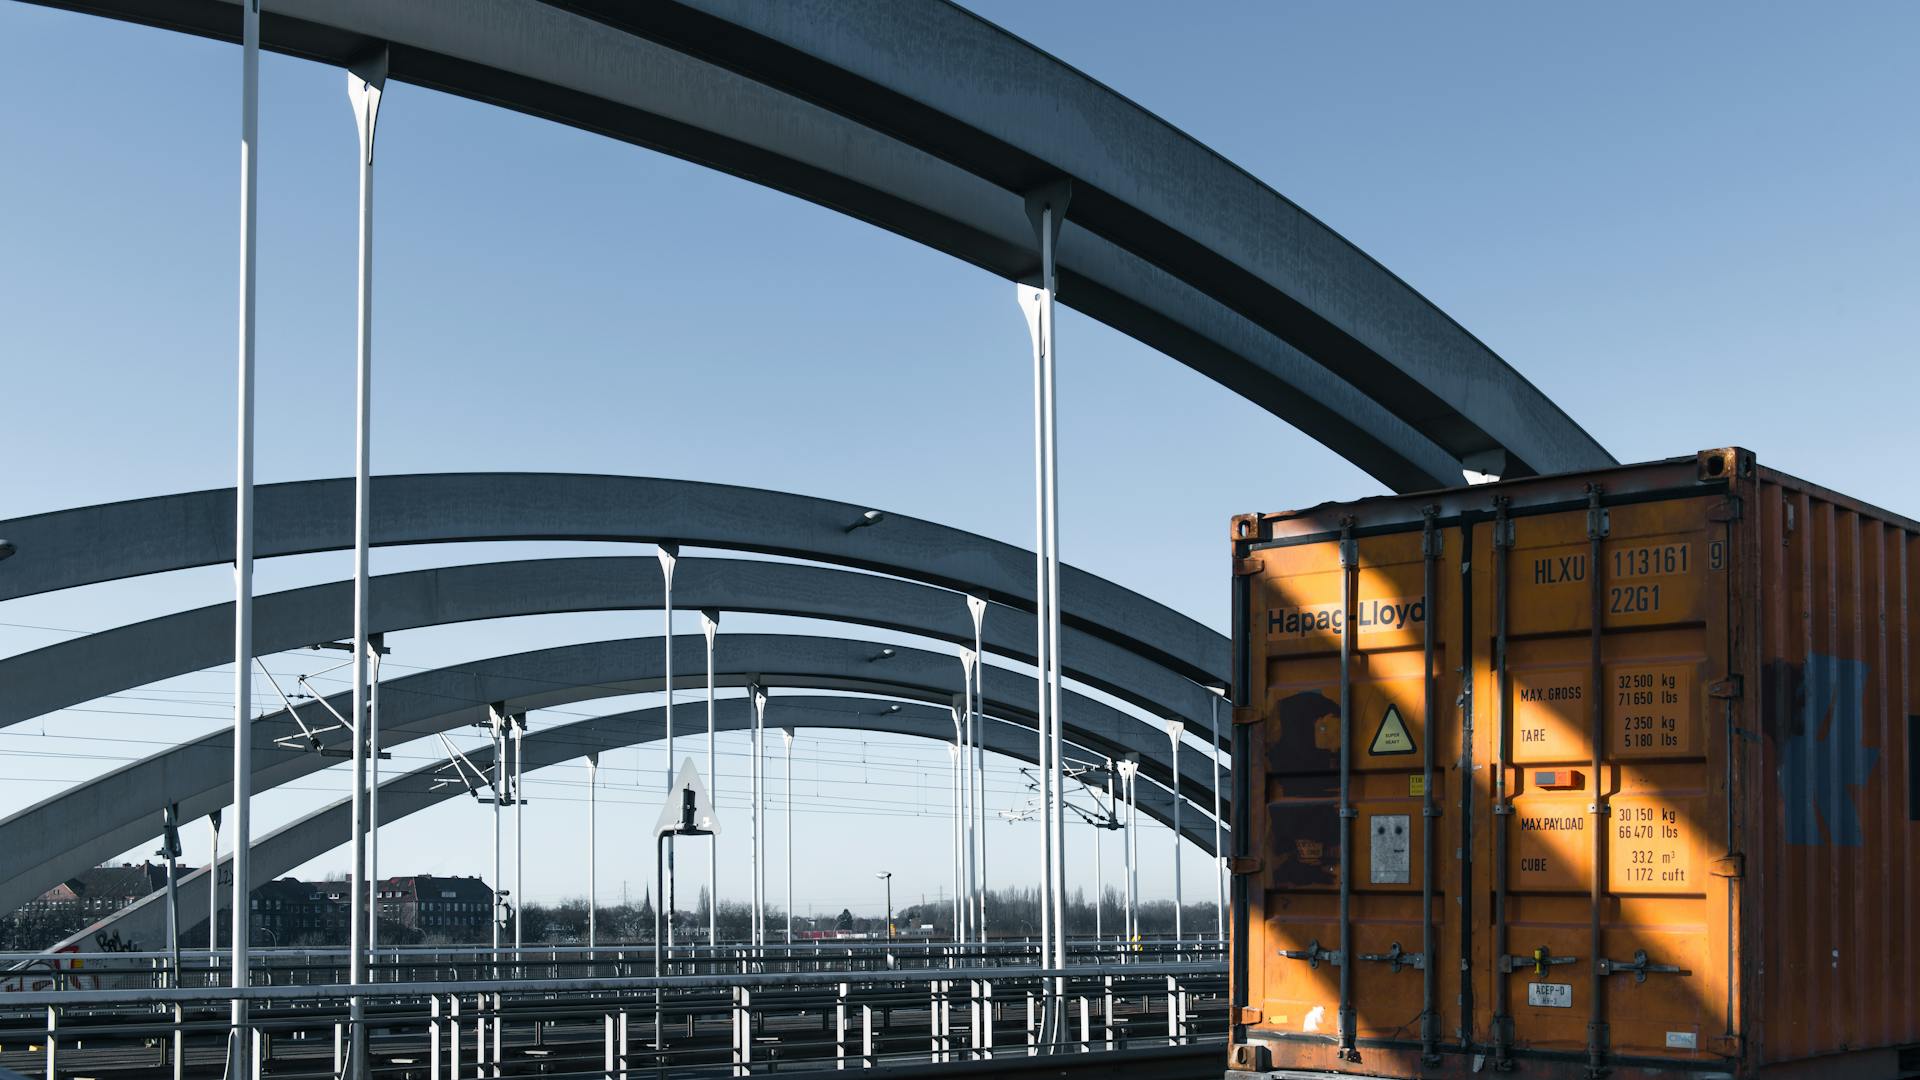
column 1392, row 737
column 673, row 814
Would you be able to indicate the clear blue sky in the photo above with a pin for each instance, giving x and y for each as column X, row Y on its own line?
column 1690, row 225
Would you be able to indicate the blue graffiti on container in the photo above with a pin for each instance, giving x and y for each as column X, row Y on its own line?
column 1827, row 756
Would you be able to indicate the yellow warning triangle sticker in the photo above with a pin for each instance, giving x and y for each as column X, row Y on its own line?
column 1392, row 736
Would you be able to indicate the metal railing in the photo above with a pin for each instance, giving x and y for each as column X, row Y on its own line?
column 25, row 972
column 735, row 1025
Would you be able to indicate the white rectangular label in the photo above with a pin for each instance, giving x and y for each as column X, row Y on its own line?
column 1550, row 995
column 1682, row 1040
column 1392, row 849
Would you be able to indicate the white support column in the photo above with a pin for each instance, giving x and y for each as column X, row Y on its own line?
column 593, row 858
column 1130, row 853
column 240, row 1042
column 787, row 735
column 669, row 557
column 1174, row 730
column 376, row 644
column 519, row 839
column 1133, row 846
column 364, row 85
column 497, row 718
column 1219, row 843
column 959, row 902
column 1031, row 303
column 759, row 697
column 970, row 800
column 710, row 625
column 977, row 609
column 213, row 889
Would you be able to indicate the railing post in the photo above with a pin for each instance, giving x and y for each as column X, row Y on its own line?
column 606, row 1045
column 1173, row 1012
column 742, row 1031
column 53, row 1040
column 986, row 1019
column 433, row 1037
column 840, row 1026
column 1107, row 1009
column 497, row 1017
column 866, row 1037
column 453, row 1034
column 1086, row 1025
column 621, row 1047
column 1033, row 1027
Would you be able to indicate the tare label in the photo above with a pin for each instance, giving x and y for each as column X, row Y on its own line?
column 1550, row 995
column 1650, row 710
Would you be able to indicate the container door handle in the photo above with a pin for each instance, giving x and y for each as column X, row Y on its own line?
column 1313, row 954
column 1396, row 959
column 1639, row 965
column 1540, row 961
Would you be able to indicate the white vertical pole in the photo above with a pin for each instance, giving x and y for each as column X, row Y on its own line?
column 1030, row 303
column 1174, row 730
column 498, row 718
column 593, row 857
column 1100, row 870
column 709, row 625
column 959, row 903
column 1133, row 841
column 519, row 839
column 669, row 556
column 213, row 889
column 1129, row 851
column 239, row 1044
column 963, row 710
column 364, row 87
column 759, row 695
column 1219, row 846
column 375, row 643
column 977, row 608
column 1050, row 217
column 787, row 735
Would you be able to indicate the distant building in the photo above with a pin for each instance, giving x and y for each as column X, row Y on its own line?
column 77, row 903
column 442, row 908
column 294, row 912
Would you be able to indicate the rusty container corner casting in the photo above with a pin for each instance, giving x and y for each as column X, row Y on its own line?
column 1609, row 774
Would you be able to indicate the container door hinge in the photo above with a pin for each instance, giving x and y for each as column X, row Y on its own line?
column 1729, row 866
column 1243, row 865
column 1247, row 1014
column 1726, row 689
column 1726, row 510
column 1247, row 567
column 1540, row 961
column 1395, row 959
column 1640, row 966
column 1313, row 954
column 1245, row 715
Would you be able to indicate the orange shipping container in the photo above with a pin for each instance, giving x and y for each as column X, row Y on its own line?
column 1579, row 775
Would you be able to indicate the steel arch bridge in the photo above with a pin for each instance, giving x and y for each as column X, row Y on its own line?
column 921, row 118
column 1120, row 643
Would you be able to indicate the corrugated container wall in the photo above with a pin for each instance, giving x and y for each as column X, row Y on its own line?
column 1601, row 774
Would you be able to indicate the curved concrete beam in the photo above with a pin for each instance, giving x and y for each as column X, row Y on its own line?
column 66, row 548
column 144, row 923
column 77, row 828
column 84, row 668
column 923, row 119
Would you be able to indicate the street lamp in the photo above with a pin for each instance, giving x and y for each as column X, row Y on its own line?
column 887, row 876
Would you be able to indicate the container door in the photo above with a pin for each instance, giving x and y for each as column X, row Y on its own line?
column 1300, row 616
column 1637, row 963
